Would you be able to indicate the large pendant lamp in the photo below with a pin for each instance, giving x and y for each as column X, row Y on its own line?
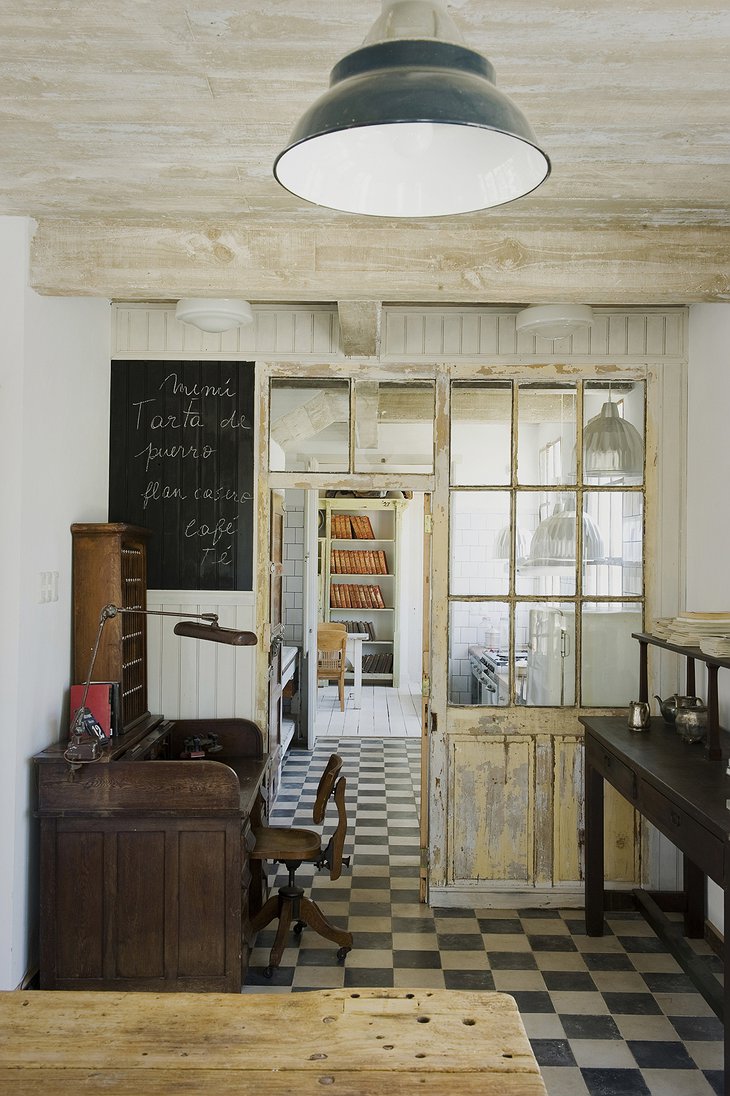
column 412, row 126
column 611, row 445
column 553, row 542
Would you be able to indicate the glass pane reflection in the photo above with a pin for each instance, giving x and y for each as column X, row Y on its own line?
column 546, row 633
column 479, row 653
column 546, row 434
column 613, row 432
column 481, row 433
column 479, row 530
column 610, row 661
column 548, row 519
column 309, row 426
column 619, row 518
column 394, row 426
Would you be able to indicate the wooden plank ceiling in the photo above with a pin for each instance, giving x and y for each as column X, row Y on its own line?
column 141, row 137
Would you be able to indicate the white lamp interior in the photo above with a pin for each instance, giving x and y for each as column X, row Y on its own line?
column 412, row 169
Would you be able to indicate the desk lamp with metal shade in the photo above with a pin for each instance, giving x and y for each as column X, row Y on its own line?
column 85, row 734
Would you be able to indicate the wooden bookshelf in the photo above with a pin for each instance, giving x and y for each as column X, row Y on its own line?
column 359, row 573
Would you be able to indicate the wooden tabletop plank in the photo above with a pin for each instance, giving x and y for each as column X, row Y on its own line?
column 367, row 1041
column 200, row 1082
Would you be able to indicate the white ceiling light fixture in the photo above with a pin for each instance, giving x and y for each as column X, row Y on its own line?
column 214, row 315
column 554, row 321
column 412, row 126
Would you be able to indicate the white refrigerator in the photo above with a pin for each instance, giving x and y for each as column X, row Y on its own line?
column 610, row 658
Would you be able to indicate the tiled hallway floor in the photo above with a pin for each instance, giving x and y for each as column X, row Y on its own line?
column 608, row 1016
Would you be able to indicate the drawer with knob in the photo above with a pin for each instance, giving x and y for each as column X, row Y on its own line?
column 616, row 772
column 702, row 847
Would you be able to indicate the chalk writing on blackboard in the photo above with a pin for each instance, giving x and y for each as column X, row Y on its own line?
column 181, row 464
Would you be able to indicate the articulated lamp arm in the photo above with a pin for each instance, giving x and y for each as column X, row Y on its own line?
column 85, row 733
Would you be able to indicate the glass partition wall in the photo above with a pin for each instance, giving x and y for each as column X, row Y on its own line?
column 546, row 576
column 546, row 518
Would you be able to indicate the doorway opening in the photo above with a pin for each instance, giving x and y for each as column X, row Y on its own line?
column 355, row 559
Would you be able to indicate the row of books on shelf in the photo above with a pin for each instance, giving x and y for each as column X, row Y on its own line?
column 358, row 563
column 359, row 627
column 351, row 527
column 377, row 664
column 354, row 595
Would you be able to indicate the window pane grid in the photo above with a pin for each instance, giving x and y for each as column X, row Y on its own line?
column 590, row 573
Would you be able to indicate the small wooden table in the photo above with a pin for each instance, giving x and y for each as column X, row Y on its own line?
column 354, row 653
column 360, row 1042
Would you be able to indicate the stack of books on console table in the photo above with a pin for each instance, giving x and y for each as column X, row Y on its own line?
column 693, row 629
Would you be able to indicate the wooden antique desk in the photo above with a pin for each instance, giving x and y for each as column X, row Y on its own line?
column 682, row 791
column 350, row 1042
column 145, row 877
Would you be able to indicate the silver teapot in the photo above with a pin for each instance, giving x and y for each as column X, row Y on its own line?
column 691, row 719
column 668, row 707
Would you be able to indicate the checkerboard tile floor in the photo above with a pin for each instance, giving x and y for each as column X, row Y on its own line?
column 608, row 1016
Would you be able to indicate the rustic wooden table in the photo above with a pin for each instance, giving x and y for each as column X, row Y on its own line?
column 361, row 1042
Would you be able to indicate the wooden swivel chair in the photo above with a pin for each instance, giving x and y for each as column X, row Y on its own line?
column 295, row 847
column 331, row 656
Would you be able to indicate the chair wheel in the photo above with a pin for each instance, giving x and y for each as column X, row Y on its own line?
column 342, row 953
column 298, row 928
column 267, row 972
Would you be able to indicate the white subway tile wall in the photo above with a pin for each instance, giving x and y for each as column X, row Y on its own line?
column 293, row 550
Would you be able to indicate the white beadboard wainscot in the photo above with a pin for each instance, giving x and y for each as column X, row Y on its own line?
column 192, row 679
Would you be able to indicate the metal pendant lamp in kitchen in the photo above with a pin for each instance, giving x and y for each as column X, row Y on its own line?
column 412, row 126
column 554, row 540
column 611, row 445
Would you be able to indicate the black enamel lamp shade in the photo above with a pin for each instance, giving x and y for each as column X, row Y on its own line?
column 412, row 128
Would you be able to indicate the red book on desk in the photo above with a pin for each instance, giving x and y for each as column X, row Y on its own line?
column 100, row 702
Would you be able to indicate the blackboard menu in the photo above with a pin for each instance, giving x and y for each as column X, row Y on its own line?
column 181, row 464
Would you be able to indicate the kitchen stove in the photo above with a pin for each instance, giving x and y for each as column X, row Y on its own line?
column 490, row 674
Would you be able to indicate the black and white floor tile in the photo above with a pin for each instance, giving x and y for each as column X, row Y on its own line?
column 608, row 1016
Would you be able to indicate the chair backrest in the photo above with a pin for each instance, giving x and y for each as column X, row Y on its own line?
column 331, row 787
column 331, row 646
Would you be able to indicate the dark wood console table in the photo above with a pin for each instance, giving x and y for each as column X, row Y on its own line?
column 145, row 876
column 684, row 793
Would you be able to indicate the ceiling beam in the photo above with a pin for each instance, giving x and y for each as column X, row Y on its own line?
column 360, row 328
column 440, row 262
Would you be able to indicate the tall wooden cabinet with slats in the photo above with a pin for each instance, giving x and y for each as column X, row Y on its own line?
column 110, row 565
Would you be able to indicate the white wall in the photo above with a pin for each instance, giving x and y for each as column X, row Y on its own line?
column 54, row 398
column 410, row 618
column 708, row 472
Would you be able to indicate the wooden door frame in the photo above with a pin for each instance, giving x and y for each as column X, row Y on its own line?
column 426, row 715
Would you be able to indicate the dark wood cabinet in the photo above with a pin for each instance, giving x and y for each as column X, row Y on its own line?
column 679, row 788
column 110, row 565
column 145, row 876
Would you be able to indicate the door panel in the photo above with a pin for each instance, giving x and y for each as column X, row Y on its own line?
column 276, row 581
column 425, row 696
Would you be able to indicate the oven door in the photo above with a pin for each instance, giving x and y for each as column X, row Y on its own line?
column 484, row 686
